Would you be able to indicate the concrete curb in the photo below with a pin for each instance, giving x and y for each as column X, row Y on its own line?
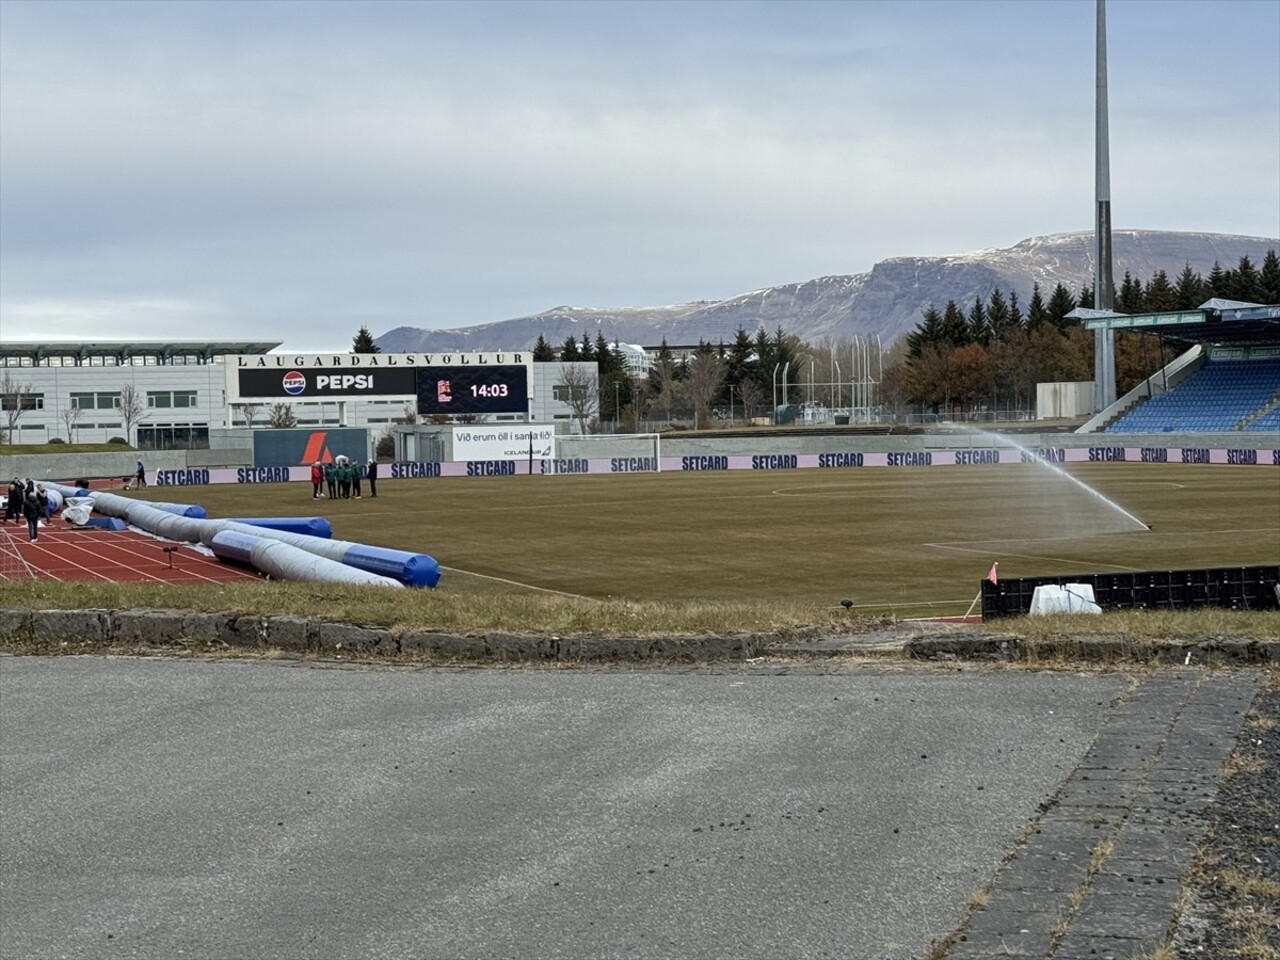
column 1096, row 649
column 914, row 640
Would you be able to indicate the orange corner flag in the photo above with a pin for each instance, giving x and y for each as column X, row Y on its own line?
column 992, row 575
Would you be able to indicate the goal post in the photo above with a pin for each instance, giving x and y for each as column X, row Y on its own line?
column 603, row 452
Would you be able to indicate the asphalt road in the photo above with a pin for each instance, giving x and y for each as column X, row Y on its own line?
column 165, row 808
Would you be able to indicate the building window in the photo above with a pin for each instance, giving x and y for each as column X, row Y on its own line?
column 95, row 401
column 174, row 437
column 21, row 401
column 167, row 399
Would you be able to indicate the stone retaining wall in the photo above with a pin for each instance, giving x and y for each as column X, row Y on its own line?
column 300, row 634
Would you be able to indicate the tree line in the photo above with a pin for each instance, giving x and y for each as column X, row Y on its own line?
column 993, row 352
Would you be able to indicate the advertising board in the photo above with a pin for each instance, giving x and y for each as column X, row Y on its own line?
column 504, row 442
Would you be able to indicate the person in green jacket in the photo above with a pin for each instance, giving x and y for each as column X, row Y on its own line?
column 331, row 479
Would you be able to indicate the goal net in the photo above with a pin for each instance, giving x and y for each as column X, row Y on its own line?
column 13, row 566
column 636, row 453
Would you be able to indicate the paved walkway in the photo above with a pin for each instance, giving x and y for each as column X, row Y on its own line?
column 157, row 808
column 1099, row 875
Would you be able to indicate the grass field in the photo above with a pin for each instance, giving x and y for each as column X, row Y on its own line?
column 895, row 542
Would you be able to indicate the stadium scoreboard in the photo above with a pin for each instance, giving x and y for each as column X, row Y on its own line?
column 458, row 383
column 488, row 389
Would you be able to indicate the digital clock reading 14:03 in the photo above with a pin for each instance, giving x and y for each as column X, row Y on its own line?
column 473, row 389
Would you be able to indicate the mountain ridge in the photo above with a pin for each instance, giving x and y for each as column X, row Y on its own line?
column 885, row 301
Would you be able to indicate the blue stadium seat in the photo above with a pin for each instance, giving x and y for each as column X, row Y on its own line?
column 1215, row 398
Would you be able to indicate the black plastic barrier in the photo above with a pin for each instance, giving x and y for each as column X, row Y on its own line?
column 1240, row 588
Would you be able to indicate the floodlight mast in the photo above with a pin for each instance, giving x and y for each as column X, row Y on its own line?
column 1104, row 359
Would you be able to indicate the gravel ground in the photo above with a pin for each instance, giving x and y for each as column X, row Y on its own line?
column 1234, row 897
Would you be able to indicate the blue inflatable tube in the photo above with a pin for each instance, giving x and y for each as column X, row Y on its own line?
column 307, row 526
column 414, row 569
column 286, row 562
column 179, row 509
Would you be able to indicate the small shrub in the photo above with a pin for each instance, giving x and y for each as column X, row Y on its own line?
column 121, row 441
column 386, row 448
column 58, row 440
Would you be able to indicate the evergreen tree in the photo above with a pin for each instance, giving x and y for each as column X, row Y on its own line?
column 1061, row 302
column 1217, row 282
column 1160, row 295
column 1190, row 292
column 785, row 353
column 569, row 351
column 1269, row 278
column 588, row 349
column 1017, row 321
column 998, row 315
column 1247, row 285
column 928, row 333
column 1037, row 315
column 608, row 360
column 1086, row 296
column 979, row 330
column 543, row 351
column 1130, row 299
column 363, row 342
column 739, row 360
column 955, row 328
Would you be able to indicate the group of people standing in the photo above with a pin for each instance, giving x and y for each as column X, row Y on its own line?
column 342, row 479
column 26, row 500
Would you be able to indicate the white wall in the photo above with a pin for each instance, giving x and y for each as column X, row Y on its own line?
column 1064, row 401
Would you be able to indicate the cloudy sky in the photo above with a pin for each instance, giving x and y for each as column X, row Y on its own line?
column 291, row 171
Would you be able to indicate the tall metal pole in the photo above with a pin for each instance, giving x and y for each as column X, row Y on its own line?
column 1104, row 358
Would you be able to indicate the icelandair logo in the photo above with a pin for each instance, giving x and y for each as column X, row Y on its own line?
column 316, row 449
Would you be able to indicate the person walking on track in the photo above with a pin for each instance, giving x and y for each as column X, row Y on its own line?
column 34, row 504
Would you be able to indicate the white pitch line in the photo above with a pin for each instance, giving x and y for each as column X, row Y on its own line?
column 517, row 583
column 1030, row 556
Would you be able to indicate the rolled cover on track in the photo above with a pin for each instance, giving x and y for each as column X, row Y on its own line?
column 415, row 569
column 180, row 509
column 285, row 562
column 306, row 526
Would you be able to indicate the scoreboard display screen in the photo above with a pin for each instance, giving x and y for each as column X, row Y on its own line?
column 473, row 389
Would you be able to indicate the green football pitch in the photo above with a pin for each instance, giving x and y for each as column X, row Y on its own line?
column 892, row 541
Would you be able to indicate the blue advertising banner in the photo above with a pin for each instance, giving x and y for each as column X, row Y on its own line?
column 299, row 447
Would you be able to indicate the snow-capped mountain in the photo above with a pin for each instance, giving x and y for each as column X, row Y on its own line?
column 887, row 301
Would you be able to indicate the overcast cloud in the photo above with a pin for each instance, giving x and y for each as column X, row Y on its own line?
column 292, row 171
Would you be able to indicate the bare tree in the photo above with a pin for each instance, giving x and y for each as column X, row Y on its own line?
column 133, row 409
column 250, row 412
column 702, row 382
column 71, row 416
column 582, row 393
column 15, row 398
column 282, row 416
column 409, row 414
column 752, row 395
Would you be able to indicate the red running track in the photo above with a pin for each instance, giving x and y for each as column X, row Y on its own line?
column 64, row 552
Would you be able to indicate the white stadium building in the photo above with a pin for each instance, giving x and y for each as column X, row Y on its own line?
column 183, row 394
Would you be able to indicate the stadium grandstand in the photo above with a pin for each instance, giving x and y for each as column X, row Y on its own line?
column 1225, row 377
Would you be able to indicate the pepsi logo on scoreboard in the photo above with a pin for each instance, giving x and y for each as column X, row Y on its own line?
column 322, row 384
